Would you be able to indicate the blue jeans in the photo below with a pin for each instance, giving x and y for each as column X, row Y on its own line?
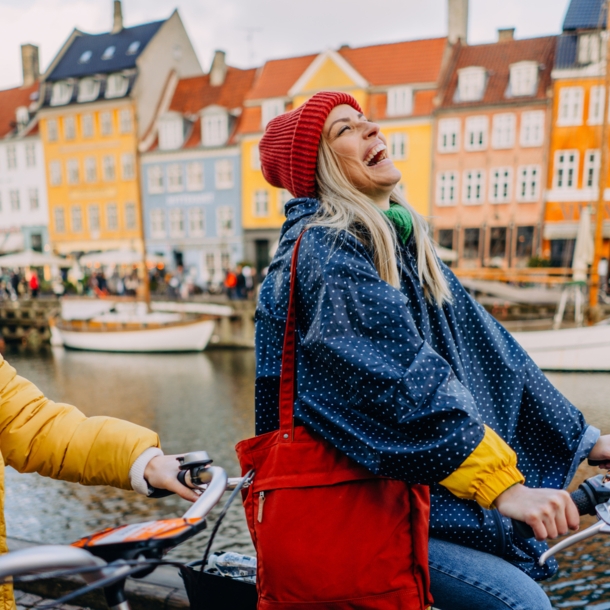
column 465, row 579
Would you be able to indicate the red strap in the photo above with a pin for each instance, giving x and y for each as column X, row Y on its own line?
column 288, row 374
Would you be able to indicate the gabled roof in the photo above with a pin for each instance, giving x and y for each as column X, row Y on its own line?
column 585, row 14
column 70, row 65
column 10, row 100
column 277, row 76
column 497, row 58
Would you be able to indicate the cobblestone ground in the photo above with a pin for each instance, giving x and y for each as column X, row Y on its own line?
column 25, row 601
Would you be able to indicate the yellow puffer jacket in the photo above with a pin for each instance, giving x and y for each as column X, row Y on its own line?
column 57, row 440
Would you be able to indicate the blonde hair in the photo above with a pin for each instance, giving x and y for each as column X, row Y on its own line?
column 345, row 208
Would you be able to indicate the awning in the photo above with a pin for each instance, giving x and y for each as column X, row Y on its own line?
column 11, row 242
column 568, row 230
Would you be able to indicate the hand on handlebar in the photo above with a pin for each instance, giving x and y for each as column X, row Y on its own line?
column 600, row 454
column 549, row 512
column 161, row 473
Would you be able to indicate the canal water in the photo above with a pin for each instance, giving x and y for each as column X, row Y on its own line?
column 205, row 401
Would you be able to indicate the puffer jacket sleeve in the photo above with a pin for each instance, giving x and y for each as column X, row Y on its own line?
column 58, row 441
column 371, row 385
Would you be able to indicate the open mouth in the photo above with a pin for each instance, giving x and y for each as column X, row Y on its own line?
column 376, row 155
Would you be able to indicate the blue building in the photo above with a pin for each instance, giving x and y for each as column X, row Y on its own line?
column 191, row 174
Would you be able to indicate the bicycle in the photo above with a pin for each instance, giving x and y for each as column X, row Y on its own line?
column 107, row 558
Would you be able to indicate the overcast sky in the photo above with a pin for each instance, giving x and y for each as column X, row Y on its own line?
column 251, row 31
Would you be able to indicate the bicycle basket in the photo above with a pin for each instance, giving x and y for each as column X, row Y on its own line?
column 209, row 591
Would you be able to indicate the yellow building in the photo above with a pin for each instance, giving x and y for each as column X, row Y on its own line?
column 98, row 100
column 395, row 85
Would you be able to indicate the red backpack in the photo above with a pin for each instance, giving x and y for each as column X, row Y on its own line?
column 328, row 533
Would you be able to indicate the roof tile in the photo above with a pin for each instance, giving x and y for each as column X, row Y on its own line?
column 10, row 100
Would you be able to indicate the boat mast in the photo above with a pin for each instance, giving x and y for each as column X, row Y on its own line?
column 603, row 179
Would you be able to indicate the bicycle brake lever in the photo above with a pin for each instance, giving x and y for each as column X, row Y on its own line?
column 599, row 527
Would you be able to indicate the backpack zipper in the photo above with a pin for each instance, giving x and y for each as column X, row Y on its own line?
column 261, row 503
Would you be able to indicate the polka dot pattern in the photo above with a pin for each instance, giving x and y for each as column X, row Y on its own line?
column 405, row 387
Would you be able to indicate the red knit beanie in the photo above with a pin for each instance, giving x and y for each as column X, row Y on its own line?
column 289, row 148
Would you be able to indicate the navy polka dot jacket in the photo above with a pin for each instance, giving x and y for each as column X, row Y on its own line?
column 405, row 387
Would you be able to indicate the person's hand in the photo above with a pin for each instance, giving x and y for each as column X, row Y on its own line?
column 549, row 512
column 161, row 473
column 601, row 451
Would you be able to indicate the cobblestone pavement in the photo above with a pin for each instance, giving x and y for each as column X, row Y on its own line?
column 25, row 601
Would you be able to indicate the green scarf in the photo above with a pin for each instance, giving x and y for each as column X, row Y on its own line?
column 402, row 221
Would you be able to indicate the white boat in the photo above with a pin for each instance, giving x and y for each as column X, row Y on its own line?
column 570, row 349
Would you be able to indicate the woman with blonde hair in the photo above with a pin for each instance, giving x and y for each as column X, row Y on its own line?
column 399, row 369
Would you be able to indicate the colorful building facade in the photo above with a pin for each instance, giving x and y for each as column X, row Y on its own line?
column 491, row 150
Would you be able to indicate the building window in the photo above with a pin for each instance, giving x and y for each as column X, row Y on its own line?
column 445, row 238
column 60, row 220
column 133, row 47
column 400, row 101
column 500, row 186
column 503, row 130
column 128, row 166
column 196, row 222
column 30, row 154
column 194, row 176
column 473, row 187
column 224, row 174
column 271, row 109
column 446, row 188
column 108, row 168
column 125, row 121
column 224, row 221
column 14, row 199
column 11, row 156
column 210, row 263
column 112, row 217
column 72, row 171
column 171, row 133
column 109, row 52
column 61, row 93
column 261, row 203
column 497, row 242
column 283, row 197
column 106, row 123
column 116, row 86
column 528, row 187
column 566, row 169
column 176, row 222
column 596, row 105
column 88, row 89
column 155, row 179
column 588, row 48
column 93, row 215
column 448, row 135
column 592, row 165
column 52, row 131
column 215, row 129
column 175, row 182
column 525, row 242
column 34, row 200
column 87, row 124
column 255, row 157
column 55, row 173
column 570, row 106
column 476, row 133
column 90, row 169
column 472, row 242
column 157, row 223
column 76, row 218
column 398, row 146
column 130, row 217
column 523, row 78
column 471, row 84
column 532, row 128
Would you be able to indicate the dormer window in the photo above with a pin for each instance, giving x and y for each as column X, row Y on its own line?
column 85, row 57
column 171, row 131
column 132, row 49
column 471, row 84
column 109, row 52
column 214, row 127
column 523, row 78
column 271, row 109
column 88, row 89
column 589, row 48
column 400, row 101
column 116, row 85
column 61, row 93
column 22, row 115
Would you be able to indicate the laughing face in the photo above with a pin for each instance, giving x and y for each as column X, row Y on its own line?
column 362, row 152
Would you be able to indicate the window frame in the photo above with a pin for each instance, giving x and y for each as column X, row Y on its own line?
column 560, row 168
column 476, row 125
column 473, row 179
column 504, row 183
column 532, row 120
column 525, row 175
column 271, row 108
column 444, row 131
column 224, row 174
column 503, row 131
column 399, row 101
column 441, row 199
column 191, row 183
column 571, row 99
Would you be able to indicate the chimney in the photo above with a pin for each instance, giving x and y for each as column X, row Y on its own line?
column 458, row 21
column 117, row 22
column 505, row 34
column 29, row 64
column 218, row 71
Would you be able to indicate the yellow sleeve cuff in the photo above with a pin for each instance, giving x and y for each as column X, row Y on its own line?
column 487, row 472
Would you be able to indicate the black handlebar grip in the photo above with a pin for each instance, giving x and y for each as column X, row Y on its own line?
column 162, row 493
column 522, row 529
